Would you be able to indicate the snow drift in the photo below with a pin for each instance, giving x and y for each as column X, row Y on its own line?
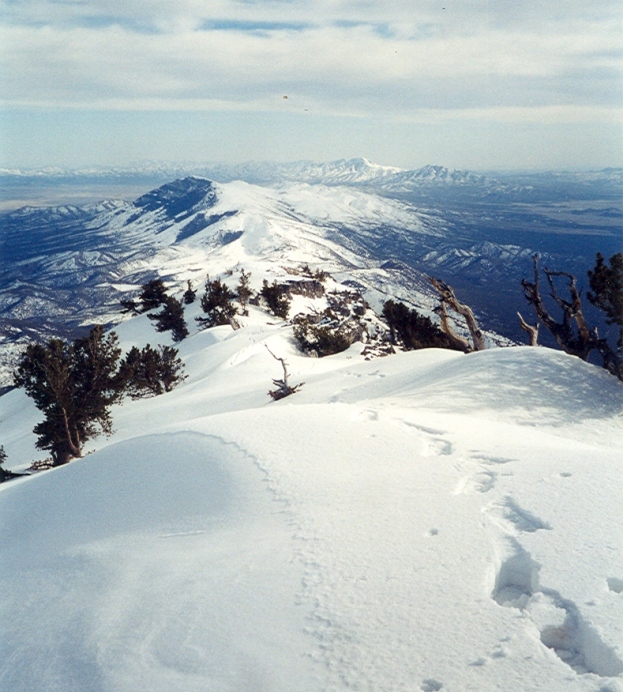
column 424, row 521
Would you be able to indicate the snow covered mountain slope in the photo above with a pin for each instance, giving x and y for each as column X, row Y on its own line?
column 64, row 268
column 424, row 521
column 67, row 267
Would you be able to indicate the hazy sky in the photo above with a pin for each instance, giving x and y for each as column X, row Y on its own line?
column 472, row 84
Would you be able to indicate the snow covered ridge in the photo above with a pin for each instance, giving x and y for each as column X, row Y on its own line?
column 424, row 521
column 73, row 265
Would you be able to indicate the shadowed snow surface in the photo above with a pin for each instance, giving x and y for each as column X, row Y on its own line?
column 425, row 521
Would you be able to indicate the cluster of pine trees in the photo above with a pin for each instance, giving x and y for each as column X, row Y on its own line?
column 75, row 384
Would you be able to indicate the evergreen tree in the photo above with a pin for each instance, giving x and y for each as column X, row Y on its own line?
column 3, row 472
column 217, row 304
column 150, row 371
column 74, row 385
column 244, row 291
column 153, row 294
column 171, row 317
column 189, row 294
column 320, row 340
column 607, row 290
column 413, row 330
column 276, row 298
column 129, row 305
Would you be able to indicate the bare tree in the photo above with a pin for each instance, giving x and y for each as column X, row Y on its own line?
column 571, row 333
column 449, row 298
column 283, row 389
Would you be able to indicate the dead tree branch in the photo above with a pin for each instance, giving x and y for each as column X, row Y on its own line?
column 449, row 298
column 580, row 344
column 533, row 331
column 282, row 389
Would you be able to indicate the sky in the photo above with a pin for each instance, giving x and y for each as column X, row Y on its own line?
column 478, row 84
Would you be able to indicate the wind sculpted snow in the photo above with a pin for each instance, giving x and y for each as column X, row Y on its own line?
column 424, row 521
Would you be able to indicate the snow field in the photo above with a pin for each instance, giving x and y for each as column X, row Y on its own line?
column 425, row 521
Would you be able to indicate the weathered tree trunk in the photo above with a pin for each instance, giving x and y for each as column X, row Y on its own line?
column 458, row 342
column 448, row 297
column 533, row 332
column 580, row 345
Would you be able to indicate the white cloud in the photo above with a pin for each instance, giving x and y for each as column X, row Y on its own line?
column 350, row 68
column 402, row 61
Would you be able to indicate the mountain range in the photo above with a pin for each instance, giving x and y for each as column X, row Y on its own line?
column 67, row 266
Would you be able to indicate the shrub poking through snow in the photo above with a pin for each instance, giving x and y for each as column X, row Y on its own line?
column 276, row 298
column 412, row 330
column 334, row 329
column 318, row 340
column 217, row 304
column 171, row 318
column 150, row 371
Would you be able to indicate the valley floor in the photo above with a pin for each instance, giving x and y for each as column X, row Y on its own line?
column 425, row 521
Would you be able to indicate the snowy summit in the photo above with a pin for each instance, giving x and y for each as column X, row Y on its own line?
column 428, row 520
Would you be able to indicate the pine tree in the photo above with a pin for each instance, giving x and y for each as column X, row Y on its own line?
column 153, row 294
column 150, row 371
column 74, row 385
column 607, row 290
column 129, row 305
column 171, row 317
column 276, row 298
column 189, row 294
column 244, row 291
column 413, row 330
column 217, row 304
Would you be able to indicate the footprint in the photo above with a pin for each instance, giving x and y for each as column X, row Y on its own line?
column 431, row 685
column 558, row 620
column 517, row 577
column 564, row 631
column 484, row 481
column 513, row 518
column 481, row 482
column 615, row 584
column 433, row 442
column 435, row 447
column 423, row 428
column 490, row 460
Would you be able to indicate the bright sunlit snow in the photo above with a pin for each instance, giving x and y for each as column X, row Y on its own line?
column 424, row 521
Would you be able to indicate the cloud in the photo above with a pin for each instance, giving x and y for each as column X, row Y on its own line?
column 394, row 66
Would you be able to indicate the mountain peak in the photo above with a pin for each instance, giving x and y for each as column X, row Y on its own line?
column 179, row 196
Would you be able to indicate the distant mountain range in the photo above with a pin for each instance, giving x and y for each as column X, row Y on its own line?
column 383, row 229
column 353, row 172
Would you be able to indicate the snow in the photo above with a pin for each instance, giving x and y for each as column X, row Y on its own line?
column 424, row 521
